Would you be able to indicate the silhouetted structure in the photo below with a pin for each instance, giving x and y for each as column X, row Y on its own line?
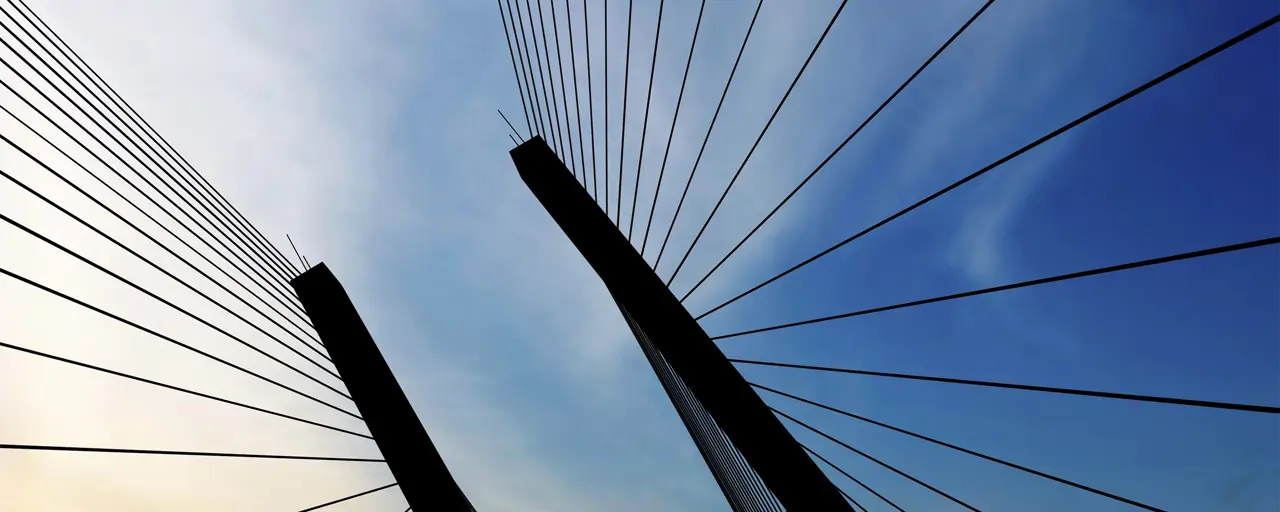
column 695, row 364
column 408, row 450
column 152, row 198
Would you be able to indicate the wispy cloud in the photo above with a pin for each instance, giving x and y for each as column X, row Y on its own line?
column 367, row 132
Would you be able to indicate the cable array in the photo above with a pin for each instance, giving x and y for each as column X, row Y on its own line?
column 129, row 189
column 735, row 478
column 81, row 129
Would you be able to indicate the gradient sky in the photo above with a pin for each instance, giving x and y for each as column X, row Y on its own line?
column 368, row 133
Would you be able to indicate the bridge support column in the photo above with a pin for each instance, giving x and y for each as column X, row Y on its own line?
column 751, row 428
column 409, row 452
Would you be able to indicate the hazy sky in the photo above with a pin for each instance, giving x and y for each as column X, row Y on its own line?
column 367, row 131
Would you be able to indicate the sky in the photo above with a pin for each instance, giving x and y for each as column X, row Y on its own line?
column 368, row 133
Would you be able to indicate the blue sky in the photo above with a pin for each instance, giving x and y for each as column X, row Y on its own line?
column 369, row 134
